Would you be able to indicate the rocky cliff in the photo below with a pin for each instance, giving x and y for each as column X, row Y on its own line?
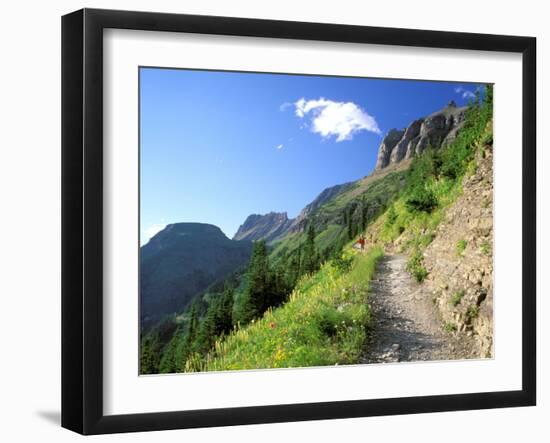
column 435, row 130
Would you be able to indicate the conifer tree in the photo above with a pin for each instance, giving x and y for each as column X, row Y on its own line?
column 364, row 214
column 191, row 332
column 217, row 321
column 224, row 322
column 168, row 363
column 293, row 268
column 150, row 354
column 257, row 282
column 311, row 259
column 207, row 332
column 351, row 227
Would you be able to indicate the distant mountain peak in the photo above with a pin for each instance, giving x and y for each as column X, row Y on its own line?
column 267, row 226
column 180, row 262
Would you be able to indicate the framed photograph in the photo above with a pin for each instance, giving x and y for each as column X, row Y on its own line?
column 269, row 221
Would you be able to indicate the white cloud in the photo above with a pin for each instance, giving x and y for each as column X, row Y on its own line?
column 279, row 146
column 151, row 231
column 340, row 119
column 465, row 93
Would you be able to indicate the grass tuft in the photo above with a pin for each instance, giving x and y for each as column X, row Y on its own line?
column 461, row 247
column 449, row 327
column 456, row 298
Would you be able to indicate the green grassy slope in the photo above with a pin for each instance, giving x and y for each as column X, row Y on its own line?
column 323, row 323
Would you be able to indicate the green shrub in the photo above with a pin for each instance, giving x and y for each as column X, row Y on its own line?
column 455, row 161
column 415, row 266
column 486, row 248
column 342, row 263
column 391, row 216
column 421, row 198
column 328, row 320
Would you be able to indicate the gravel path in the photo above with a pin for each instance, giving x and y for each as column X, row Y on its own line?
column 406, row 326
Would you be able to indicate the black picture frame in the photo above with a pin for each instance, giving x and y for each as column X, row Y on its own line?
column 82, row 218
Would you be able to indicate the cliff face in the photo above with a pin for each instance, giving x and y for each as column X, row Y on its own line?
column 435, row 130
column 387, row 146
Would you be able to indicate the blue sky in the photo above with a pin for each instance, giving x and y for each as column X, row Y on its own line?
column 219, row 146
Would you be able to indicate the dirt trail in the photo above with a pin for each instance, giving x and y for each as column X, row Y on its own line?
column 406, row 326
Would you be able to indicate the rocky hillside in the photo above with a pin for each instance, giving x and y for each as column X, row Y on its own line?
column 298, row 224
column 459, row 260
column 276, row 225
column 180, row 262
column 435, row 130
column 443, row 222
column 268, row 227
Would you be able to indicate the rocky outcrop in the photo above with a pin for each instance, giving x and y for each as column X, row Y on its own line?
column 435, row 130
column 410, row 138
column 385, row 150
column 267, row 227
column 436, row 127
column 459, row 260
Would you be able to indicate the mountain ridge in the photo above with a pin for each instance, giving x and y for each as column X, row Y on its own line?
column 180, row 262
column 268, row 226
column 275, row 225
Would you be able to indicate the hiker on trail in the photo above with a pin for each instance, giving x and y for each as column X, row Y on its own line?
column 362, row 242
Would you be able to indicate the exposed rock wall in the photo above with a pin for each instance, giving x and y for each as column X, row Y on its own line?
column 435, row 130
column 386, row 148
column 405, row 146
column 460, row 259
